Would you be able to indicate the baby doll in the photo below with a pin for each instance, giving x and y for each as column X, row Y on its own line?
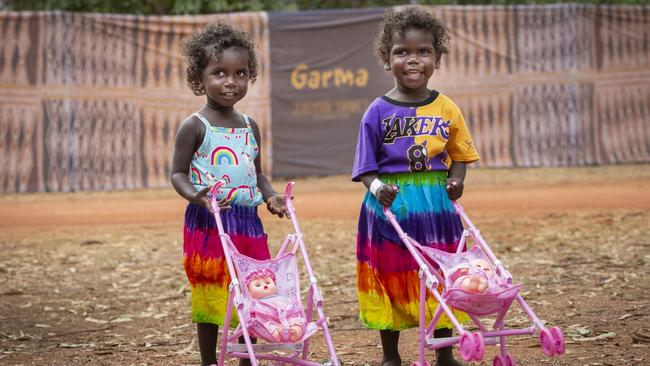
column 475, row 278
column 280, row 318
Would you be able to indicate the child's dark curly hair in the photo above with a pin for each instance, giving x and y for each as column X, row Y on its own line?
column 213, row 40
column 412, row 17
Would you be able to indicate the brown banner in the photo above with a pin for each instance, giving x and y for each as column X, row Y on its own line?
column 324, row 76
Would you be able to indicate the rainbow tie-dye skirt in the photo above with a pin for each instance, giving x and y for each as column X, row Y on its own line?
column 204, row 260
column 387, row 275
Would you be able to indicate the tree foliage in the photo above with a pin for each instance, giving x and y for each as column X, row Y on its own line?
column 177, row 7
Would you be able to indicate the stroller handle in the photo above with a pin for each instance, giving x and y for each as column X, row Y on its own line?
column 288, row 193
column 213, row 193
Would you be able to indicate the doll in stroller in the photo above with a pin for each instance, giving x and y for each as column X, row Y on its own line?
column 265, row 296
column 476, row 282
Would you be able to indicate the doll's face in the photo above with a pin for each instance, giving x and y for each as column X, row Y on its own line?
column 262, row 287
column 484, row 266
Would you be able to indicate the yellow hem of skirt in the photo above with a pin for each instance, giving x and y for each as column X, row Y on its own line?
column 384, row 316
column 209, row 304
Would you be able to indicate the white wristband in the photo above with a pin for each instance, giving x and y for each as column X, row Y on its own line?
column 374, row 186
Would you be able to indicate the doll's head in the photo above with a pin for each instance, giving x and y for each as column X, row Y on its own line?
column 261, row 283
column 483, row 266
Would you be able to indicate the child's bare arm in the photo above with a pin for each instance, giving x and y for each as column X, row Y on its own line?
column 184, row 147
column 188, row 138
column 456, row 177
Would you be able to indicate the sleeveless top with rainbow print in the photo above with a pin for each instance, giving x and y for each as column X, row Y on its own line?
column 227, row 154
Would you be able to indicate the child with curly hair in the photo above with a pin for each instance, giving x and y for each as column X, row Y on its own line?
column 412, row 152
column 218, row 142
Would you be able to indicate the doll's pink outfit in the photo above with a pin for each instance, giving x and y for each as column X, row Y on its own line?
column 276, row 313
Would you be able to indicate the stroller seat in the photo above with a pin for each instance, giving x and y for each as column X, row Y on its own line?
column 498, row 294
column 276, row 305
column 264, row 316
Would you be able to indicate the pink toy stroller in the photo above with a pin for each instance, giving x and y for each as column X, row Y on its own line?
column 476, row 282
column 285, row 268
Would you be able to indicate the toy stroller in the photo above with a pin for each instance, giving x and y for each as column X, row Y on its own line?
column 283, row 267
column 476, row 282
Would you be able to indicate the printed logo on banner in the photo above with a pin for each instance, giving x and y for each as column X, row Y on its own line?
column 302, row 76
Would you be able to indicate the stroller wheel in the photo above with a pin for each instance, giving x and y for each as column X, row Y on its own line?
column 503, row 360
column 558, row 340
column 498, row 361
column 478, row 347
column 466, row 346
column 546, row 340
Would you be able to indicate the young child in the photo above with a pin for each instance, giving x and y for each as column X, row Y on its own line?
column 218, row 142
column 412, row 152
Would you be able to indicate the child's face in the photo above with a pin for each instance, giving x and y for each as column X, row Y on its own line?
column 261, row 287
column 413, row 59
column 226, row 77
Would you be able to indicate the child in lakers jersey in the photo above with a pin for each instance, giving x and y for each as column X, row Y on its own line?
column 412, row 152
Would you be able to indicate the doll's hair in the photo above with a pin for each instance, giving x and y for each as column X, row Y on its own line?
column 213, row 40
column 411, row 17
column 259, row 273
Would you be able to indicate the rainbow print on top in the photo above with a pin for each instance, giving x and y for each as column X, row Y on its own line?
column 232, row 194
column 226, row 179
column 223, row 155
column 196, row 176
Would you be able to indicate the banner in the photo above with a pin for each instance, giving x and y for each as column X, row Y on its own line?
column 323, row 78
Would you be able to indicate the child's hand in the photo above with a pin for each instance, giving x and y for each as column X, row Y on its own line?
column 386, row 194
column 275, row 204
column 201, row 198
column 454, row 188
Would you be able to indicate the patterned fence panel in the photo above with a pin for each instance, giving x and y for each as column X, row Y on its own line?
column 93, row 102
column 488, row 117
column 19, row 148
column 20, row 113
column 89, row 145
column 624, row 131
column 623, row 33
column 477, row 74
column 554, row 125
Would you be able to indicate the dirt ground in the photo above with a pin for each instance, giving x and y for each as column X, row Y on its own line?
column 96, row 278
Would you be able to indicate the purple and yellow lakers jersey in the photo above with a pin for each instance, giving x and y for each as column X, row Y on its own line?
column 399, row 137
